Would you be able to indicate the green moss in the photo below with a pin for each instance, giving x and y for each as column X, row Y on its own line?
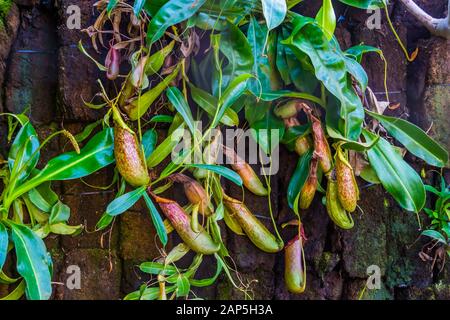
column 5, row 6
column 399, row 273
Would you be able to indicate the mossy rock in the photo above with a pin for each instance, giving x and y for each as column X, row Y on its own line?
column 5, row 6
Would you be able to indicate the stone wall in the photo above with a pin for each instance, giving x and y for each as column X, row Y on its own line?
column 42, row 69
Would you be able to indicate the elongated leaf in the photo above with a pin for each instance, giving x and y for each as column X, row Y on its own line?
column 358, row 51
column 257, row 36
column 327, row 18
column 433, row 234
column 138, row 6
column 83, row 135
column 161, row 118
column 235, row 46
column 209, row 103
column 140, row 106
column 3, row 244
column 156, row 60
column 274, row 95
column 17, row 293
column 171, row 13
column 43, row 197
column 165, row 148
column 104, row 222
column 5, row 279
column 209, row 281
column 298, row 179
column 157, row 268
column 220, row 170
column 330, row 69
column 98, row 153
column 157, row 220
column 397, row 176
column 60, row 213
column 414, row 139
column 274, row 12
column 231, row 95
column 266, row 129
column 149, row 140
column 349, row 144
column 183, row 286
column 33, row 262
column 24, row 155
column 365, row 4
column 180, row 104
column 125, row 202
column 111, row 5
column 300, row 68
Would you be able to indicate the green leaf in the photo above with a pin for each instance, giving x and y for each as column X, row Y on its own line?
column 66, row 230
column 156, row 60
column 435, row 235
column 149, row 140
column 99, row 66
column 104, row 222
column 298, row 179
column 365, row 4
column 396, row 176
column 300, row 68
column 5, row 279
column 24, row 155
column 209, row 103
column 157, row 220
column 125, row 202
column 257, row 36
column 349, row 144
column 33, row 262
column 3, row 244
column 414, row 139
column 326, row 18
column 158, row 268
column 330, row 69
column 233, row 92
column 236, row 48
column 255, row 110
column 161, row 118
column 220, row 170
column 171, row 13
column 83, row 135
column 358, row 51
column 60, row 213
column 98, row 153
column 177, row 99
column 274, row 95
column 274, row 12
column 17, row 293
column 111, row 5
column 207, row 282
column 138, row 6
column 140, row 106
column 263, row 130
column 43, row 197
column 183, row 286
column 165, row 148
